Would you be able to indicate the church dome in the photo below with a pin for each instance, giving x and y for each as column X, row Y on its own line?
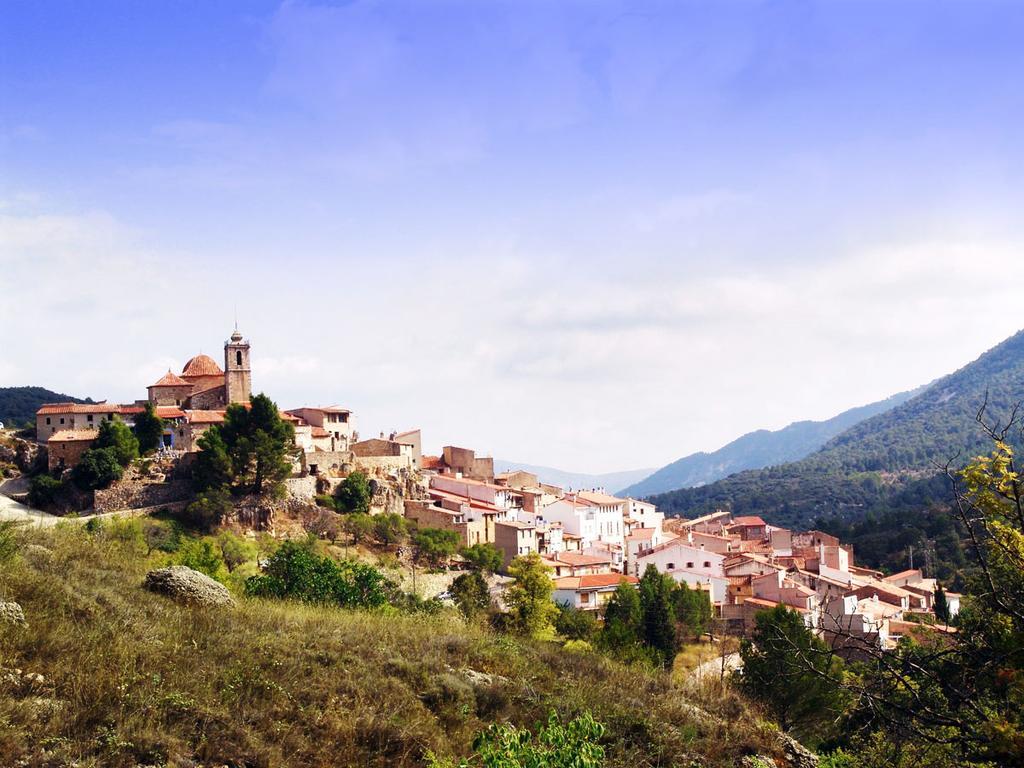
column 201, row 365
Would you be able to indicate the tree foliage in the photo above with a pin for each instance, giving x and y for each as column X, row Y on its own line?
column 97, row 468
column 116, row 437
column 296, row 572
column 149, row 429
column 353, row 495
column 791, row 672
column 435, row 545
column 531, row 611
column 656, row 606
column 574, row 624
column 471, row 595
column 483, row 557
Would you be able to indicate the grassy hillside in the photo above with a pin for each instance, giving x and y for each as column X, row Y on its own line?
column 131, row 678
column 758, row 449
column 18, row 405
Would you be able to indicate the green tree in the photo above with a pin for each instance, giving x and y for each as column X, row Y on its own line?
column 435, row 545
column 692, row 610
column 788, row 669
column 234, row 550
column 623, row 621
column 389, row 528
column 97, row 468
column 160, row 535
column 576, row 744
column 359, row 526
column 211, row 469
column 116, row 437
column 257, row 442
column 656, row 605
column 149, row 429
column 941, row 604
column 483, row 557
column 574, row 624
column 201, row 555
column 353, row 494
column 531, row 611
column 470, row 593
column 208, row 510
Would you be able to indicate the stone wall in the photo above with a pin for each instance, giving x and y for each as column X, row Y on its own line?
column 334, row 463
column 301, row 487
column 385, row 463
column 132, row 494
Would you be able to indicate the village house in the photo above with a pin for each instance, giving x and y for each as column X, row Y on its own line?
column 589, row 592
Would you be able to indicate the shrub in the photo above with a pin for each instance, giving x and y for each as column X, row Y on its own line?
column 160, row 535
column 44, row 491
column 149, row 429
column 353, row 494
column 575, row 624
column 235, row 550
column 8, row 542
column 389, row 528
column 323, row 523
column 296, row 572
column 118, row 438
column 98, row 468
column 471, row 594
column 201, row 555
column 359, row 527
column 325, row 500
column 208, row 510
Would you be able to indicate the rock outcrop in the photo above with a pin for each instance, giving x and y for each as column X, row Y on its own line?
column 188, row 586
column 11, row 613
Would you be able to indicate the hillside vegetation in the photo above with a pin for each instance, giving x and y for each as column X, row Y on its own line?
column 761, row 448
column 18, row 405
column 108, row 674
column 889, row 461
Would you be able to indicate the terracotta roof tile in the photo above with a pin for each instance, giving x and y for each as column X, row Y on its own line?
column 73, row 435
column 49, row 409
column 202, row 365
column 171, row 380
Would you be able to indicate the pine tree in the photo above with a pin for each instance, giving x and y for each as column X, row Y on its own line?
column 149, row 429
column 941, row 604
column 659, row 632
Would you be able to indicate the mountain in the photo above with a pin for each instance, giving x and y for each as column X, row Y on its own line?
column 886, row 463
column 610, row 481
column 758, row 449
column 18, row 405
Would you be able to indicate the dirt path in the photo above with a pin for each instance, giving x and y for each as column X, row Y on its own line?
column 713, row 669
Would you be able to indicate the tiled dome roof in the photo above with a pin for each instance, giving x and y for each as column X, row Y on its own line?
column 201, row 365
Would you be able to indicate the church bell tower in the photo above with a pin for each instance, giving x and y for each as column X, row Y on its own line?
column 237, row 373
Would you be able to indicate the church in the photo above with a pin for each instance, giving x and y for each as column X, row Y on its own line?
column 203, row 385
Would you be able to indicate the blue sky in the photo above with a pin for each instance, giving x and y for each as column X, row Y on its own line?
column 597, row 235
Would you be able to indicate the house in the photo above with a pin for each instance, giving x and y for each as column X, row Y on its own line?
column 589, row 592
column 579, row 564
column 57, row 417
column 65, row 447
column 749, row 528
column 515, row 539
column 472, row 525
column 414, row 439
column 383, row 453
column 332, row 425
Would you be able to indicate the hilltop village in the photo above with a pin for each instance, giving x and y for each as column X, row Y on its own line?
column 589, row 540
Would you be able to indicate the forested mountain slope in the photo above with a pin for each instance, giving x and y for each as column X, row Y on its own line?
column 762, row 448
column 18, row 405
column 887, row 462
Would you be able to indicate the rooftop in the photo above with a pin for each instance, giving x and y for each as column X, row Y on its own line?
column 73, row 435
column 171, row 380
column 52, row 408
column 202, row 365
column 594, row 581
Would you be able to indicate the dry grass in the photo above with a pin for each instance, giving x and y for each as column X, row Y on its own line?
column 131, row 678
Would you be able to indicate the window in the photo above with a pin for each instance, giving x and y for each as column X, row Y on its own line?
column 707, row 563
column 689, row 565
column 670, row 567
column 238, row 357
column 89, row 418
column 62, row 420
column 585, row 598
column 47, row 419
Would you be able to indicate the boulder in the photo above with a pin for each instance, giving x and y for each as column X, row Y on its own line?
column 11, row 613
column 188, row 586
column 797, row 755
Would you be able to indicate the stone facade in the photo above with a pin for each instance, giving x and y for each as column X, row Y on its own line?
column 131, row 494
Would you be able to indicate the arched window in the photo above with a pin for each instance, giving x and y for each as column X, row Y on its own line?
column 238, row 357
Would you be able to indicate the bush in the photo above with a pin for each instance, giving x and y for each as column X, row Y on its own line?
column 116, row 437
column 574, row 624
column 161, row 535
column 389, row 528
column 98, row 468
column 8, row 542
column 471, row 595
column 325, row 500
column 208, row 510
column 296, row 572
column 353, row 494
column 44, row 491
column 324, row 524
column 359, row 527
column 203, row 556
column 235, row 550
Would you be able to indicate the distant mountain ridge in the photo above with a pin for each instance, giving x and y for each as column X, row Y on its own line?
column 761, row 448
column 610, row 481
column 888, row 461
column 18, row 405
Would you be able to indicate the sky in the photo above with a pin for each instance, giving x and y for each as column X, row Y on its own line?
column 592, row 235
